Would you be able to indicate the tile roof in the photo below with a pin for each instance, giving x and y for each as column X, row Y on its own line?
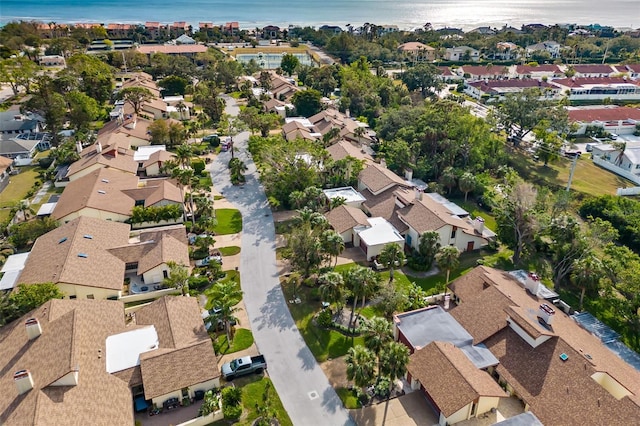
column 5, row 163
column 553, row 388
column 343, row 218
column 591, row 81
column 100, row 190
column 169, row 49
column 613, row 113
column 528, row 69
column 450, row 378
column 73, row 336
column 378, row 178
column 593, row 69
column 54, row 256
column 414, row 46
column 158, row 157
column 485, row 70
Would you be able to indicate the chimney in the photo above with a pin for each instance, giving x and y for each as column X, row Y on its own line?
column 383, row 163
column 23, row 381
column 418, row 194
column 478, row 224
column 98, row 148
column 546, row 312
column 408, row 174
column 79, row 147
column 532, row 282
column 33, row 328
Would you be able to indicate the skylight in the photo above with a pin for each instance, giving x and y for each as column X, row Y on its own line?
column 100, row 191
column 88, row 237
column 83, row 255
column 62, row 240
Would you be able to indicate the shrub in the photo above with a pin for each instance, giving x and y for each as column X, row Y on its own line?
column 231, row 412
column 45, row 162
column 324, row 318
column 198, row 166
column 198, row 283
column 231, row 396
column 381, row 388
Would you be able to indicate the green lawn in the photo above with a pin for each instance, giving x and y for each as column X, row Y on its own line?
column 229, row 251
column 17, row 189
column 229, row 221
column 242, row 339
column 284, row 227
column 588, row 178
column 252, row 396
column 324, row 344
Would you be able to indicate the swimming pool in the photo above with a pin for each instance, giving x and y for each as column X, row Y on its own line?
column 272, row 60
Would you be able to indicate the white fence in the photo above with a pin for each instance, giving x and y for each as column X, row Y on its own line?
column 617, row 170
column 628, row 191
column 148, row 295
column 204, row 420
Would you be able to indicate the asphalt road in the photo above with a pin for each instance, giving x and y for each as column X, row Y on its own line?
column 300, row 382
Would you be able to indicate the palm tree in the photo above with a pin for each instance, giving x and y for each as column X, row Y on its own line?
column 24, row 208
column 586, row 274
column 393, row 365
column 378, row 333
column 178, row 277
column 332, row 288
column 448, row 259
column 370, row 284
column 448, row 178
column 332, row 244
column 236, row 170
column 391, row 255
column 361, row 364
column 224, row 296
column 467, row 183
column 353, row 281
column 428, row 247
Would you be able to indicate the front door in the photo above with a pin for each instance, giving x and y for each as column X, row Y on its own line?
column 470, row 246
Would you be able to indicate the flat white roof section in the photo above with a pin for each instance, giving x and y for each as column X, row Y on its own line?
column 348, row 193
column 124, row 349
column 12, row 269
column 46, row 209
column 144, row 152
column 380, row 232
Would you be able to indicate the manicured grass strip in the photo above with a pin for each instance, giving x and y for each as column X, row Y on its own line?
column 252, row 396
column 229, row 221
column 242, row 339
column 20, row 184
column 229, row 251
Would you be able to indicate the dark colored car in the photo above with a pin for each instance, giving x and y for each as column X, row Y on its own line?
column 171, row 403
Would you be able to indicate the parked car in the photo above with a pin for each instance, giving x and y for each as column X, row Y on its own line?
column 213, row 139
column 171, row 403
column 209, row 259
column 243, row 366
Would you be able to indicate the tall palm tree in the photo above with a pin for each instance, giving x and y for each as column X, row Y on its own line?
column 448, row 259
column 224, row 295
column 332, row 288
column 332, row 244
column 378, row 332
column 393, row 365
column 467, row 183
column 353, row 281
column 361, row 364
column 391, row 255
column 586, row 274
column 428, row 247
column 370, row 284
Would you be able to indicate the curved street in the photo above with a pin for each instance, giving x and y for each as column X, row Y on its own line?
column 301, row 384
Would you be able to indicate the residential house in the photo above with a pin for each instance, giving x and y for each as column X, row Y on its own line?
column 538, row 72
column 418, row 52
column 64, row 359
column 343, row 149
column 599, row 88
column 6, row 166
column 156, row 108
column 593, row 70
column 24, row 146
column 96, row 157
column 334, row 29
column 549, row 46
column 499, row 88
column 232, row 28
column 282, row 88
column 421, row 213
column 631, row 70
column 344, row 219
column 562, row 372
column 156, row 30
column 481, row 72
column 270, row 32
column 184, row 39
column 462, row 53
column 90, row 258
column 14, row 123
column 484, row 31
column 295, row 129
column 448, row 76
column 52, row 61
column 178, row 28
column 375, row 235
column 151, row 161
column 614, row 119
column 624, row 163
column 350, row 129
column 350, row 196
column 119, row 31
column 278, row 107
column 111, row 194
column 506, row 51
column 454, row 386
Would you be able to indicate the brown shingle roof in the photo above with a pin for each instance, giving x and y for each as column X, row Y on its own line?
column 158, row 157
column 100, row 190
column 122, row 159
column 343, row 149
column 54, row 256
column 450, row 378
column 384, row 205
column 165, row 371
column 377, row 178
column 343, row 218
column 553, row 388
column 73, row 334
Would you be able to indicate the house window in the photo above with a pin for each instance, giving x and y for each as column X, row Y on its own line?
column 453, row 232
column 408, row 240
column 165, row 274
column 90, row 296
column 185, row 392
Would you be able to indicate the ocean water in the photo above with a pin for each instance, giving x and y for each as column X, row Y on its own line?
column 406, row 14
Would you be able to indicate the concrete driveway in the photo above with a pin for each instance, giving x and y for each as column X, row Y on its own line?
column 408, row 410
column 302, row 386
